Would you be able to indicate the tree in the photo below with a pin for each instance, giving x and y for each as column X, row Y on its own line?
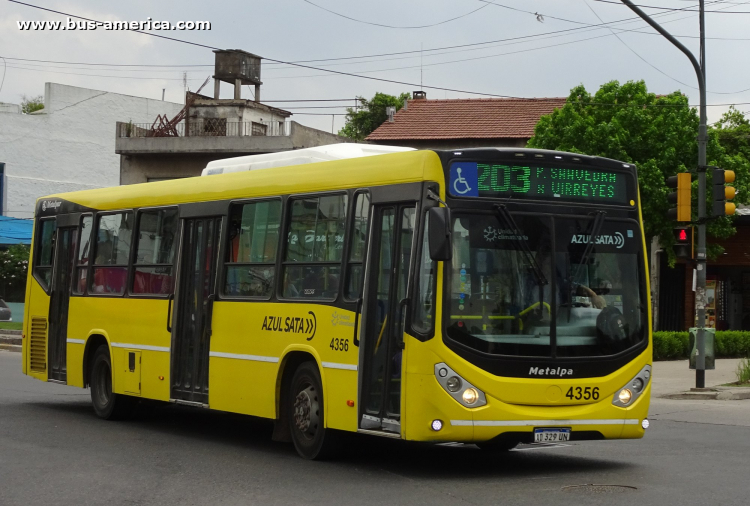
column 370, row 114
column 14, row 263
column 29, row 105
column 656, row 133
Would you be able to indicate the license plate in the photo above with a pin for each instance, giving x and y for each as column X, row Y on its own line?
column 551, row 435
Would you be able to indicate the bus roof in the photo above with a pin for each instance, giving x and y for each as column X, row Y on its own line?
column 325, row 153
column 394, row 168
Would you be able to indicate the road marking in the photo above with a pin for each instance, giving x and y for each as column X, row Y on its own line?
column 253, row 358
column 334, row 365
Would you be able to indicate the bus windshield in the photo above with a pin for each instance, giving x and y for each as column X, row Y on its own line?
column 546, row 286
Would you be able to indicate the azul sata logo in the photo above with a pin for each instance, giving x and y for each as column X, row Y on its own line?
column 617, row 239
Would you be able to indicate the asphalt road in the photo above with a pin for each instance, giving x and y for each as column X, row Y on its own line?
column 54, row 451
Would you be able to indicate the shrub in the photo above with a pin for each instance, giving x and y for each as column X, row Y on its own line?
column 676, row 345
column 743, row 371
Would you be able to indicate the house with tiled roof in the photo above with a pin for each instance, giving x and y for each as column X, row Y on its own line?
column 464, row 123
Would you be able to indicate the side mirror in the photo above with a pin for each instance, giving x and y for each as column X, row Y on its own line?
column 439, row 230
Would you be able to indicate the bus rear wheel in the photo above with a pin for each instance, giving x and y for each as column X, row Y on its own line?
column 306, row 415
column 107, row 404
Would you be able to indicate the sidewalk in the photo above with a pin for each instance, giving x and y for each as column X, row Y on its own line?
column 674, row 376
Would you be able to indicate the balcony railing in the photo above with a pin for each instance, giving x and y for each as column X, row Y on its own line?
column 206, row 128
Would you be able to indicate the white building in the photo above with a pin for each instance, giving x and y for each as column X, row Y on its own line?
column 67, row 146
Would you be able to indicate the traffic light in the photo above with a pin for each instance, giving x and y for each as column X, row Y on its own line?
column 722, row 193
column 681, row 197
column 683, row 242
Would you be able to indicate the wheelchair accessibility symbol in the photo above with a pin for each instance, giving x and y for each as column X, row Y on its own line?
column 463, row 180
column 460, row 182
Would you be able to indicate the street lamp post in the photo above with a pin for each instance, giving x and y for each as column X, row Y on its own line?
column 700, row 285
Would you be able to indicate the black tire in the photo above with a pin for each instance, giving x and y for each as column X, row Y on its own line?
column 306, row 415
column 497, row 446
column 107, row 404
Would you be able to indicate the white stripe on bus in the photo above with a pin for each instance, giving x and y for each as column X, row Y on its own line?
column 541, row 423
column 76, row 341
column 144, row 347
column 254, row 358
column 334, row 365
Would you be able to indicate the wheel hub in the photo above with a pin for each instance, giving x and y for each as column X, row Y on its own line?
column 306, row 411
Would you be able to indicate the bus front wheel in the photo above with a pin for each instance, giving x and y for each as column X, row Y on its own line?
column 107, row 404
column 305, row 408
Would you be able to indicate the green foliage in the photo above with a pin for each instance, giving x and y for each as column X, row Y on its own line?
column 676, row 345
column 671, row 345
column 370, row 114
column 743, row 371
column 658, row 134
column 14, row 263
column 29, row 105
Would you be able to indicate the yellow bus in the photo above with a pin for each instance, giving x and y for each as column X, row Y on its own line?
column 493, row 296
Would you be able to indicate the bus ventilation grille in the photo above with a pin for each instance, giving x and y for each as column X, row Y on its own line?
column 38, row 344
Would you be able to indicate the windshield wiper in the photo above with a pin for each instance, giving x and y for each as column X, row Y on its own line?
column 505, row 216
column 595, row 229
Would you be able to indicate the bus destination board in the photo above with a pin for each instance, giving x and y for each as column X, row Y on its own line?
column 547, row 182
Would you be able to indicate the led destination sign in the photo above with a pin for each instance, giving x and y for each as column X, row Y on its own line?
column 472, row 179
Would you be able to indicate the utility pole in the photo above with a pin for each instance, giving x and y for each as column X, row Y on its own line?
column 700, row 285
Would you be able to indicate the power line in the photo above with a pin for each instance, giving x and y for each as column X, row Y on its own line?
column 99, row 75
column 392, row 26
column 684, row 9
column 654, row 66
column 348, row 74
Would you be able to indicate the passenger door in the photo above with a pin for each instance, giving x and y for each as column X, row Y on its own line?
column 59, row 301
column 196, row 292
column 384, row 310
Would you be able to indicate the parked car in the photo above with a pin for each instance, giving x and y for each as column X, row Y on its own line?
column 5, row 314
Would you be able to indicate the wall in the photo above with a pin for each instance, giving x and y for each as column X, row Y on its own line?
column 69, row 145
column 173, row 157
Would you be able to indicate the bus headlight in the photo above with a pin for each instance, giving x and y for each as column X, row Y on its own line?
column 470, row 396
column 453, row 384
column 461, row 390
column 628, row 394
column 625, row 395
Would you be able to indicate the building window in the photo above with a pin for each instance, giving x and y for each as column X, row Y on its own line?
column 251, row 252
column 215, row 127
column 113, row 235
column 312, row 265
column 258, row 128
column 154, row 259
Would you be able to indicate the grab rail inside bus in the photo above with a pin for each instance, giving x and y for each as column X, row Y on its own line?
column 169, row 312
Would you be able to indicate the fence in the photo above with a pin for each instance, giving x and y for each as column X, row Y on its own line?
column 218, row 127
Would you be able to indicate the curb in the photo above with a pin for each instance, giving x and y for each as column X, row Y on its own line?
column 10, row 332
column 10, row 347
column 6, row 339
column 715, row 394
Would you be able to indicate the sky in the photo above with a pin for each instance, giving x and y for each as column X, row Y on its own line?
column 538, row 48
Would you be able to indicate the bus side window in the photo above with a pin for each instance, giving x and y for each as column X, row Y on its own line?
column 155, row 251
column 251, row 252
column 355, row 267
column 82, row 260
column 113, row 236
column 423, row 317
column 45, row 248
column 312, row 265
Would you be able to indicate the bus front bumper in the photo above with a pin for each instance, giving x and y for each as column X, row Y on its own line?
column 592, row 421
